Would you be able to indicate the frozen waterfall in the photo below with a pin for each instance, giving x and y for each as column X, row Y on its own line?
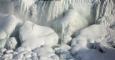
column 57, row 29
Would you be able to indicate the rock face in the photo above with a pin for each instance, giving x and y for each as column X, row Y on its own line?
column 34, row 36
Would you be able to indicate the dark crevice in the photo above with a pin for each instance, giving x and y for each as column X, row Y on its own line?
column 16, row 35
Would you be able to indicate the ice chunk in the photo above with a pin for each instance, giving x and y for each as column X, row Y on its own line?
column 33, row 35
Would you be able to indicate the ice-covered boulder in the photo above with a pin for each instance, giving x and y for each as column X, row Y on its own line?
column 8, row 23
column 97, row 33
column 11, row 43
column 40, row 53
column 33, row 35
column 66, row 25
column 93, row 42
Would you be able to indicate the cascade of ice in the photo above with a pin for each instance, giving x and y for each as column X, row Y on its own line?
column 65, row 33
column 49, row 10
column 43, row 12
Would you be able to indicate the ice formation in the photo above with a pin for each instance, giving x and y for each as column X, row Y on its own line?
column 57, row 30
column 66, row 25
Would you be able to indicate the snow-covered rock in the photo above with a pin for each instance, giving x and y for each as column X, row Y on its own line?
column 62, row 48
column 34, row 56
column 46, row 53
column 2, row 50
column 7, row 57
column 33, row 35
column 9, row 51
column 8, row 23
column 97, row 33
column 63, row 52
column 94, row 40
column 11, row 43
column 66, row 55
column 45, row 50
column 2, row 43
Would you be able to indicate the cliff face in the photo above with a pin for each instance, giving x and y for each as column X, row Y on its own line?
column 57, row 29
